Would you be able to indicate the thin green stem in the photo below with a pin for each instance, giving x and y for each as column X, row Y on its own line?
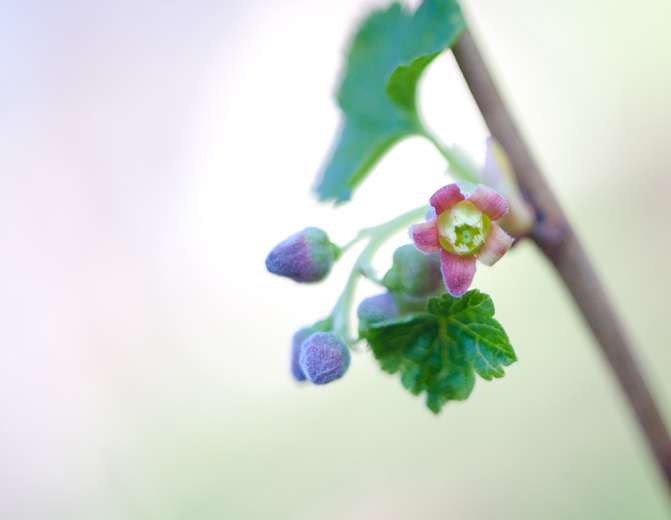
column 343, row 249
column 369, row 272
column 458, row 165
column 377, row 236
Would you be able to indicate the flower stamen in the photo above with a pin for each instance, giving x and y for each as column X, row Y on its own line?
column 463, row 229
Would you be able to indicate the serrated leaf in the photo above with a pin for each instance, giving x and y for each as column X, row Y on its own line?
column 408, row 339
column 470, row 320
column 438, row 351
column 377, row 94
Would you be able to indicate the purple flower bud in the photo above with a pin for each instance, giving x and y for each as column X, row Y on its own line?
column 376, row 308
column 323, row 358
column 413, row 272
column 305, row 257
column 296, row 341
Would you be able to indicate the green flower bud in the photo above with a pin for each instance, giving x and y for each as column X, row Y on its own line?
column 414, row 273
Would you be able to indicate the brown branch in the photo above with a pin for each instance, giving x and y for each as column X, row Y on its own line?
column 555, row 237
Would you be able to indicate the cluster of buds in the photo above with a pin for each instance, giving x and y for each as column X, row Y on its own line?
column 465, row 224
column 414, row 277
column 317, row 355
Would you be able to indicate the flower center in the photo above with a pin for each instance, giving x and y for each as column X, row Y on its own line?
column 463, row 229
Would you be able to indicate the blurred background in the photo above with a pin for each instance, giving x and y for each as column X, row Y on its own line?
column 152, row 152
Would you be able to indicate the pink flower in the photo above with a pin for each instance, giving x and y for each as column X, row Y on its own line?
column 463, row 228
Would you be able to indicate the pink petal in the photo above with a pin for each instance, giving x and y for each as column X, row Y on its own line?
column 446, row 197
column 458, row 272
column 425, row 236
column 488, row 201
column 498, row 242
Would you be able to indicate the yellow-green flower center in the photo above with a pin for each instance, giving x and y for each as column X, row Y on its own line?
column 463, row 229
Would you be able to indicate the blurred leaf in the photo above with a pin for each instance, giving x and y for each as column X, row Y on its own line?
column 377, row 94
column 438, row 351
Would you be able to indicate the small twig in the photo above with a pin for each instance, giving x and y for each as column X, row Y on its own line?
column 556, row 238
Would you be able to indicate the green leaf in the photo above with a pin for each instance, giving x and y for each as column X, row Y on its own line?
column 470, row 321
column 438, row 351
column 377, row 94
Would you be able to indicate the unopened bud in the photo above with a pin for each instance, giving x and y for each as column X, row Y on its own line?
column 413, row 272
column 375, row 309
column 304, row 257
column 498, row 173
column 296, row 341
column 323, row 358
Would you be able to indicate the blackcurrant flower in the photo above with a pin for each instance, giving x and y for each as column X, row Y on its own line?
column 323, row 358
column 463, row 229
column 305, row 257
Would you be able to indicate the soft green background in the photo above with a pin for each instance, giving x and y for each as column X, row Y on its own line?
column 154, row 153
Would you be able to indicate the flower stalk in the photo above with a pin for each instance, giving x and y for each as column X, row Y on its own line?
column 376, row 236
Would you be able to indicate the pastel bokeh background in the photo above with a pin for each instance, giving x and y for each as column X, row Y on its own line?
column 150, row 155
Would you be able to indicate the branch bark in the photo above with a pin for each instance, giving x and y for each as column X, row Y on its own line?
column 555, row 237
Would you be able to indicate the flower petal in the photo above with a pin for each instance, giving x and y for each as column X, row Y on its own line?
column 446, row 197
column 498, row 242
column 425, row 236
column 458, row 272
column 489, row 201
